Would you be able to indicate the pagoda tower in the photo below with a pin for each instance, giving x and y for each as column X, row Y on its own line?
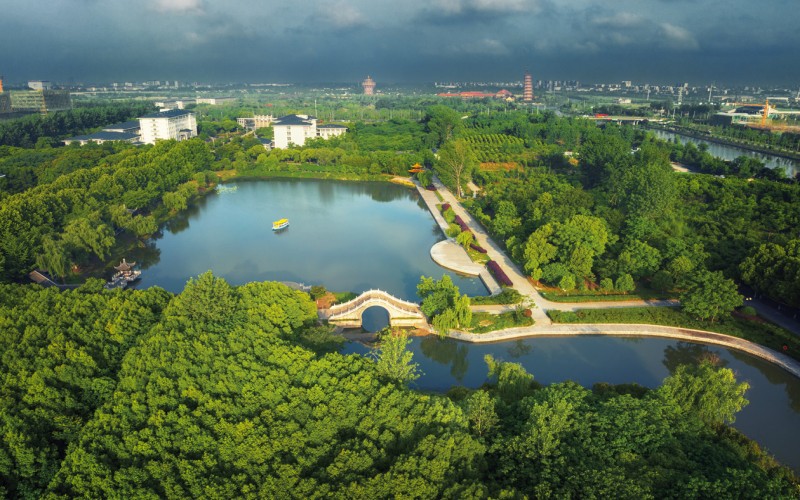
column 527, row 88
column 369, row 86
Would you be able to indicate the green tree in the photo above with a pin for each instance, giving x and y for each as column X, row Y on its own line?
column 394, row 360
column 465, row 239
column 480, row 409
column 455, row 164
column 442, row 123
column 625, row 283
column 710, row 295
column 710, row 392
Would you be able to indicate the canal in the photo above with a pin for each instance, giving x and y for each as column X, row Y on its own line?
column 730, row 153
column 772, row 418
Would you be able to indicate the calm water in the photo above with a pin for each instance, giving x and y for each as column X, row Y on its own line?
column 347, row 236
column 772, row 418
column 355, row 236
column 730, row 153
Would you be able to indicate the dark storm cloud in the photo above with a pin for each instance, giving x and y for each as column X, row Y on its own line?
column 414, row 40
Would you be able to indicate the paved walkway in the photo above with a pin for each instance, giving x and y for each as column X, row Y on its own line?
column 448, row 253
column 785, row 362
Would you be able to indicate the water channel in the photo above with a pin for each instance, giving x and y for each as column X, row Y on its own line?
column 725, row 152
column 353, row 236
column 772, row 418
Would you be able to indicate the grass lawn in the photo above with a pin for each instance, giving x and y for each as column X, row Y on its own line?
column 754, row 330
column 507, row 296
column 485, row 322
column 480, row 258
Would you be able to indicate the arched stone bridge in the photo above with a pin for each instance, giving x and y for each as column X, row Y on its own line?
column 401, row 312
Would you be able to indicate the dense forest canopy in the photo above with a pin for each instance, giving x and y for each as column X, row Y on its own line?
column 217, row 392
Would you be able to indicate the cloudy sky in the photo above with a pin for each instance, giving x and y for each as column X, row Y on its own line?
column 666, row 41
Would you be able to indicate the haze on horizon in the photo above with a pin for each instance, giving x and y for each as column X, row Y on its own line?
column 656, row 41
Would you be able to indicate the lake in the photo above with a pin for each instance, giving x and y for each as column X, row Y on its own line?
column 353, row 236
column 347, row 236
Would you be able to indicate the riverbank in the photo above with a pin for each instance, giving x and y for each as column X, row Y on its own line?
column 780, row 153
column 635, row 330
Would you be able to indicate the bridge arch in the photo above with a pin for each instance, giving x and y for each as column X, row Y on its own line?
column 402, row 313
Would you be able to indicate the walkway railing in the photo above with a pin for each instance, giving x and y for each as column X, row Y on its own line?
column 375, row 296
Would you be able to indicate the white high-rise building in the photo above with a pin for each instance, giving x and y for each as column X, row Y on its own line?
column 297, row 129
column 175, row 124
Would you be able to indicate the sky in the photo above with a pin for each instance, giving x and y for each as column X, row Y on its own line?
column 738, row 42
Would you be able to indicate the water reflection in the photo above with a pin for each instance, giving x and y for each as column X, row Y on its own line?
column 446, row 352
column 519, row 348
column 772, row 417
column 686, row 353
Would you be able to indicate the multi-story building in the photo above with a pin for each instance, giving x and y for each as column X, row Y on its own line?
column 40, row 101
column 39, row 85
column 329, row 130
column 215, row 100
column 256, row 122
column 296, row 129
column 175, row 124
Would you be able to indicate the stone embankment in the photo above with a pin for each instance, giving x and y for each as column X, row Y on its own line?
column 631, row 330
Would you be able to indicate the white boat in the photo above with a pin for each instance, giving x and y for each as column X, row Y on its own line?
column 280, row 224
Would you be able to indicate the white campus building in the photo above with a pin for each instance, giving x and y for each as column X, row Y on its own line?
column 296, row 129
column 175, row 124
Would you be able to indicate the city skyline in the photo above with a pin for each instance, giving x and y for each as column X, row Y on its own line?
column 658, row 41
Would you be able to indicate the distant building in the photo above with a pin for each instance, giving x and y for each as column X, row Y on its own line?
column 172, row 124
column 124, row 132
column 40, row 101
column 369, row 86
column 1, row 84
column 131, row 127
column 5, row 102
column 296, row 129
column 215, row 100
column 256, row 122
column 329, row 130
column 174, row 104
column 40, row 85
column 527, row 88
column 103, row 136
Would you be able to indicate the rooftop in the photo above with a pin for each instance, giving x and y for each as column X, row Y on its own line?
column 105, row 135
column 123, row 126
column 295, row 120
column 172, row 113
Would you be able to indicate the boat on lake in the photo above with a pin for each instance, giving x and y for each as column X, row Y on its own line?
column 280, row 224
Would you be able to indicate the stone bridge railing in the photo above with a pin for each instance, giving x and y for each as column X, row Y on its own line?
column 401, row 312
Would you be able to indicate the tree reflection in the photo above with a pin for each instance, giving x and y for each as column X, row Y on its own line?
column 519, row 349
column 687, row 353
column 447, row 352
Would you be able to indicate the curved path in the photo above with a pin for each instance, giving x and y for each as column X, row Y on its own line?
column 544, row 326
column 633, row 330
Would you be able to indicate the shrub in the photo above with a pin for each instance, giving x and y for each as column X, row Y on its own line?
column 449, row 215
column 498, row 273
column 477, row 248
column 748, row 311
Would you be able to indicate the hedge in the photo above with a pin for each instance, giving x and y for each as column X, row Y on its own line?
column 498, row 273
column 477, row 248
